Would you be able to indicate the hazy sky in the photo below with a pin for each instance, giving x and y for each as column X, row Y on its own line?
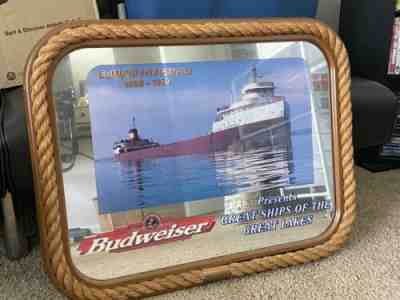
column 187, row 107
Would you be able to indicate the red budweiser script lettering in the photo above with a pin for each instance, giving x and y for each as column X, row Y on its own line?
column 137, row 236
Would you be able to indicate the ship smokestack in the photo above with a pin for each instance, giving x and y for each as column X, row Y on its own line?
column 254, row 72
column 133, row 133
column 133, row 123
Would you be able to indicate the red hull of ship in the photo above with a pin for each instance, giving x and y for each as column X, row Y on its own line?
column 213, row 142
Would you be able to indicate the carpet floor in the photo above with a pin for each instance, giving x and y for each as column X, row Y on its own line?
column 367, row 268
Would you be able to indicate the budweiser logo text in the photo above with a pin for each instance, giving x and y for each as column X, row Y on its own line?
column 137, row 236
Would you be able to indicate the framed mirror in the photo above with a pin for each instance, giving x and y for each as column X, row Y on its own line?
column 171, row 154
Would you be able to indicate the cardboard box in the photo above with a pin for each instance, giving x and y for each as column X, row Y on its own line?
column 23, row 23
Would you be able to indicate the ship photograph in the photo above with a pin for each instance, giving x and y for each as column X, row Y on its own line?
column 256, row 111
column 221, row 129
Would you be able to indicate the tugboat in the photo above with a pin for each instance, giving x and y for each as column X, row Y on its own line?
column 133, row 142
column 258, row 118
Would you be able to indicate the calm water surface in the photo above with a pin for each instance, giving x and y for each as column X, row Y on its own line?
column 124, row 185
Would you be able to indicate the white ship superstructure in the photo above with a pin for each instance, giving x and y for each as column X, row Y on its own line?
column 260, row 118
column 257, row 103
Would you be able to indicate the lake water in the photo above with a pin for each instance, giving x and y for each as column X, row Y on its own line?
column 124, row 185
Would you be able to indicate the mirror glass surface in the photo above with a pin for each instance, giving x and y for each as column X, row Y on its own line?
column 178, row 154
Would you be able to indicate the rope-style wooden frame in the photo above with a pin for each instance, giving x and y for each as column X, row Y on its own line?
column 44, row 149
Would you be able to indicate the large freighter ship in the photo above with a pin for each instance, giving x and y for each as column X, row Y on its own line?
column 257, row 119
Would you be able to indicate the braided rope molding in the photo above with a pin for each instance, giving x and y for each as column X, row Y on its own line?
column 43, row 143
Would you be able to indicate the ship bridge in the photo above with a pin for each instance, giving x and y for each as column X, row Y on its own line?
column 258, row 87
column 257, row 90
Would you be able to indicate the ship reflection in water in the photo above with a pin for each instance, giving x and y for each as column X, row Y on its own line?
column 261, row 169
column 248, row 149
column 148, row 183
